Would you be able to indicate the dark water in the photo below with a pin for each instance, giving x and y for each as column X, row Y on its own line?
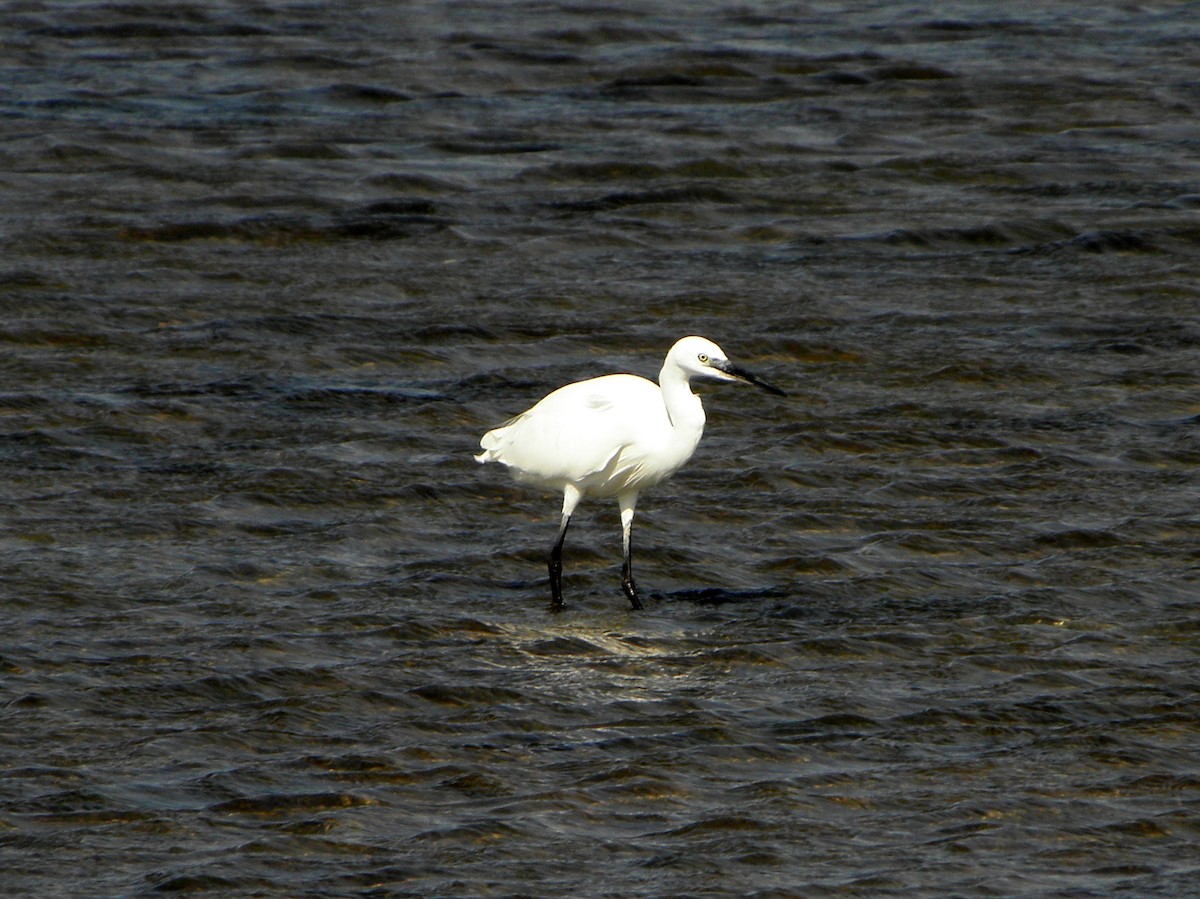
column 928, row 627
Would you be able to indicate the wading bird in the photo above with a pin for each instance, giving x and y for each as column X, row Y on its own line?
column 614, row 435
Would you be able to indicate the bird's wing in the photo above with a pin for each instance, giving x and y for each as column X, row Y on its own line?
column 578, row 430
column 599, row 402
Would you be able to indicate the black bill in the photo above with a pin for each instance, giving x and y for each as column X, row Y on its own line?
column 748, row 376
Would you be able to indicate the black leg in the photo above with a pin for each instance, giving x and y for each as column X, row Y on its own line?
column 629, row 587
column 554, row 562
column 628, row 503
column 627, row 583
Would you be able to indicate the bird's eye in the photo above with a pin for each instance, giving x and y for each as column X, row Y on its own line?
column 703, row 357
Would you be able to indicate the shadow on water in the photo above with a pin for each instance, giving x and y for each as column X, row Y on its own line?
column 718, row 596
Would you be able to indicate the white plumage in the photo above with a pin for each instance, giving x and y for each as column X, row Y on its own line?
column 612, row 436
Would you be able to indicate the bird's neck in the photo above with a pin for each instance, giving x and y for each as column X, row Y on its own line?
column 683, row 407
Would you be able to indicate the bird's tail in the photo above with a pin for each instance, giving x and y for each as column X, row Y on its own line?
column 489, row 448
column 493, row 442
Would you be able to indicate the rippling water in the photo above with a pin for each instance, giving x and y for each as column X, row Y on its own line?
column 927, row 627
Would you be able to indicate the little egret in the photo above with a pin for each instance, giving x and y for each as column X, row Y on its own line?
column 614, row 435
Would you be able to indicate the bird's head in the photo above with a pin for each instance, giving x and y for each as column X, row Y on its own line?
column 699, row 357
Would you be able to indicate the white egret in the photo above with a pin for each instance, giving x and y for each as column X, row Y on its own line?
column 614, row 435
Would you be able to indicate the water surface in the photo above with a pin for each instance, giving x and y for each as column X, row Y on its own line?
column 927, row 627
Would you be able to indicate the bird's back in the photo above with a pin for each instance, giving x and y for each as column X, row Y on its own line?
column 603, row 435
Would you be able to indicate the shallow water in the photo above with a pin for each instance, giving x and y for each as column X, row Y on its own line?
column 926, row 627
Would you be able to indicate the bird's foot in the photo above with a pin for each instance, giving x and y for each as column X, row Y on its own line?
column 555, row 569
column 631, row 592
